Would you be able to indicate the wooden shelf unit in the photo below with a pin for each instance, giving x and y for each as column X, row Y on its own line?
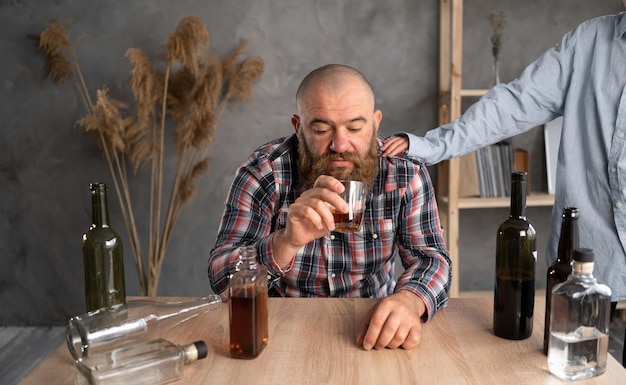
column 450, row 99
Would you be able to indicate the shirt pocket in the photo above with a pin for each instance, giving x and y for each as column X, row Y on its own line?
column 375, row 245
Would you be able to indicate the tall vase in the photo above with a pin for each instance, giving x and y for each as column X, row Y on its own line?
column 496, row 70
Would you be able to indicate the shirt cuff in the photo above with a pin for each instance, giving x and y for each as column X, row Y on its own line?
column 426, row 298
column 267, row 258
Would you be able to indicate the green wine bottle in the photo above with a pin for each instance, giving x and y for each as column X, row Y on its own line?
column 103, row 257
column 516, row 259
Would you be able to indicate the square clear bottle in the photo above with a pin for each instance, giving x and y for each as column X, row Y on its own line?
column 579, row 322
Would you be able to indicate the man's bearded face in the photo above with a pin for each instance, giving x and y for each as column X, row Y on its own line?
column 365, row 169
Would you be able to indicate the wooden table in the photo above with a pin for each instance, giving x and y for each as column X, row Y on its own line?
column 312, row 341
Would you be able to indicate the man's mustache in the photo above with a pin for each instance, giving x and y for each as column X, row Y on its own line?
column 349, row 156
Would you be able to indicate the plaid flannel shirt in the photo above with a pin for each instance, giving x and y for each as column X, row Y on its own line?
column 401, row 217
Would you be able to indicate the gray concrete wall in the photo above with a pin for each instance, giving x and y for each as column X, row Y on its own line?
column 46, row 163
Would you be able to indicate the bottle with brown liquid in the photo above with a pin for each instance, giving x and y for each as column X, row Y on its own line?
column 248, row 306
column 103, row 256
column 562, row 267
column 516, row 259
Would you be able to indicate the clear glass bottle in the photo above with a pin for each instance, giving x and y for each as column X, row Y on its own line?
column 145, row 363
column 248, row 306
column 516, row 259
column 137, row 320
column 562, row 267
column 103, row 256
column 579, row 322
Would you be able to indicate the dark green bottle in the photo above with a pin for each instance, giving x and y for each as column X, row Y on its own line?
column 516, row 259
column 562, row 267
column 103, row 257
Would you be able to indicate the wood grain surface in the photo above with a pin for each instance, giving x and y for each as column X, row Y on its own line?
column 312, row 341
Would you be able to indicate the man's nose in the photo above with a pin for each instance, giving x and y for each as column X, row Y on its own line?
column 340, row 143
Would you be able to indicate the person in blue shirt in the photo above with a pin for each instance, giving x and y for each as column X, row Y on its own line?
column 583, row 79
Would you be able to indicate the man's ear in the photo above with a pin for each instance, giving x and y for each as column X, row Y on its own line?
column 295, row 121
column 378, row 116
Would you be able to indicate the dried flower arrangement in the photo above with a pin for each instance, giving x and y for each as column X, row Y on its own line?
column 192, row 87
column 497, row 21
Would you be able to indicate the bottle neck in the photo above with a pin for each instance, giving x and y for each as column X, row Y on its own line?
column 185, row 309
column 247, row 255
column 583, row 268
column 191, row 353
column 100, row 210
column 518, row 199
column 568, row 240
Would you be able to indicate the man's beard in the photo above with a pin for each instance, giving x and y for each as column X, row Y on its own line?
column 364, row 169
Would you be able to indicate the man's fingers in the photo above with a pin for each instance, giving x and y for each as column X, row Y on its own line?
column 326, row 181
column 399, row 338
column 374, row 328
column 413, row 338
column 394, row 146
column 393, row 322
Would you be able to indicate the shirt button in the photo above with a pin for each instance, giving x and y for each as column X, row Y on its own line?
column 620, row 134
column 613, row 170
column 332, row 237
column 333, row 275
column 618, row 204
column 374, row 236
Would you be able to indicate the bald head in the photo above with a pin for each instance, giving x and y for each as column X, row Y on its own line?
column 332, row 76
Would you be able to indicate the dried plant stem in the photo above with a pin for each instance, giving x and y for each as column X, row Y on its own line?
column 185, row 165
column 158, row 249
column 152, row 221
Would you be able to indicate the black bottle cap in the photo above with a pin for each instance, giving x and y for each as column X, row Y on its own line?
column 570, row 212
column 583, row 255
column 521, row 176
column 202, row 349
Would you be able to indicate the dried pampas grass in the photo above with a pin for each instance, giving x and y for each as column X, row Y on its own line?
column 192, row 88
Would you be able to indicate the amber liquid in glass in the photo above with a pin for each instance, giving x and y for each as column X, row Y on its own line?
column 248, row 328
column 346, row 222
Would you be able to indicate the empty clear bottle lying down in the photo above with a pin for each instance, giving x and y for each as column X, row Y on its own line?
column 579, row 322
column 145, row 363
column 137, row 320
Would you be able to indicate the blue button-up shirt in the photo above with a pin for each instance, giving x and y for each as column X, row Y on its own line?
column 583, row 80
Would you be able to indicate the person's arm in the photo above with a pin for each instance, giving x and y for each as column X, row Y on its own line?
column 246, row 221
column 423, row 288
column 535, row 98
column 249, row 219
column 422, row 247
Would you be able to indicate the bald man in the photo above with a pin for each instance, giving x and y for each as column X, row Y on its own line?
column 280, row 202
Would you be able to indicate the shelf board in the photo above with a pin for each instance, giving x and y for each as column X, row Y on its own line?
column 474, row 92
column 489, row 294
column 534, row 199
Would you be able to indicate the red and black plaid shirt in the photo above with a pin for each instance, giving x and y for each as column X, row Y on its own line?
column 401, row 217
